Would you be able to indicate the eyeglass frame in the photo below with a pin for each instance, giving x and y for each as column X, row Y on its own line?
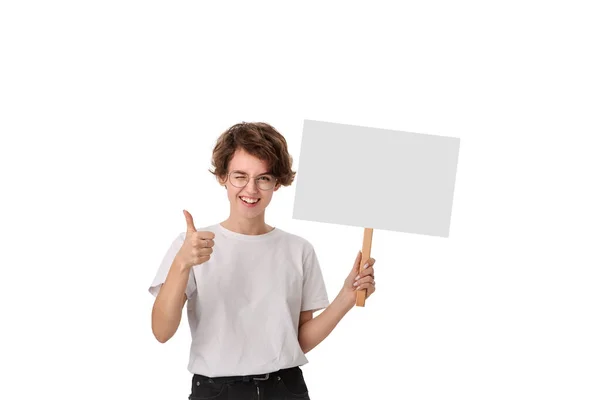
column 255, row 180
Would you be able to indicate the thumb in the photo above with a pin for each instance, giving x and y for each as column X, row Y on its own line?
column 189, row 221
column 356, row 266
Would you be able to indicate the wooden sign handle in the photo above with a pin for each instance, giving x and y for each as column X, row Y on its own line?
column 361, row 295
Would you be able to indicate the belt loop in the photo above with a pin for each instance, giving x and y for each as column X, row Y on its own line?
column 246, row 379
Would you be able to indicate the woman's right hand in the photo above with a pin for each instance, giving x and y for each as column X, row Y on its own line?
column 197, row 246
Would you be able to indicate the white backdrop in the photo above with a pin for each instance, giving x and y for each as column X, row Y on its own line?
column 109, row 111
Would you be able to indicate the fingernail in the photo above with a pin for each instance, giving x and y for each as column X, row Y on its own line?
column 357, row 277
column 355, row 283
column 366, row 265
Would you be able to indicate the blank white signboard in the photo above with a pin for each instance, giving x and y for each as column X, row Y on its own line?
column 376, row 178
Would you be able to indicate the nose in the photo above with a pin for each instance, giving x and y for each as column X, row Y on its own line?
column 251, row 186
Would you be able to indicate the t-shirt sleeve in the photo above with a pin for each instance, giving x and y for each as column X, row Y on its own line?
column 314, row 292
column 165, row 265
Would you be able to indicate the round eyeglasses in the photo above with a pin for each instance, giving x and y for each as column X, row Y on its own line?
column 263, row 182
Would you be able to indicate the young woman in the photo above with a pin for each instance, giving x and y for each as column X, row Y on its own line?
column 251, row 289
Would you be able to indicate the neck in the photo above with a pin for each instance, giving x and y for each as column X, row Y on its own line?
column 256, row 226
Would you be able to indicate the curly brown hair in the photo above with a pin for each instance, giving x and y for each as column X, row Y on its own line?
column 258, row 139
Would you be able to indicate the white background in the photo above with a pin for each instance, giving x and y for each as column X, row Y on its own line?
column 109, row 111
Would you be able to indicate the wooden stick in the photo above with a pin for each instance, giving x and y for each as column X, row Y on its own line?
column 361, row 295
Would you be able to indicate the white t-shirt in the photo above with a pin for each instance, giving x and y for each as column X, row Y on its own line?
column 244, row 303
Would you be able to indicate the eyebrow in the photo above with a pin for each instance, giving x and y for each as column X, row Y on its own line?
column 245, row 173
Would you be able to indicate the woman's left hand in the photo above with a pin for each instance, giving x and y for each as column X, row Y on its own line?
column 359, row 278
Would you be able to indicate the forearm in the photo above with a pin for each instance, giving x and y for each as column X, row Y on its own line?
column 313, row 332
column 167, row 309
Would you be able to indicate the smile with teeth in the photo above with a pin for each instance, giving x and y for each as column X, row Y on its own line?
column 249, row 200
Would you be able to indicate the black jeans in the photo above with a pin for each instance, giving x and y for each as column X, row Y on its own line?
column 285, row 384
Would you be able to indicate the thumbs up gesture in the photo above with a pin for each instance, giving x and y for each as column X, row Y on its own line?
column 197, row 246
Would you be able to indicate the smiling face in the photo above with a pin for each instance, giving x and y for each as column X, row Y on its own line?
column 248, row 202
